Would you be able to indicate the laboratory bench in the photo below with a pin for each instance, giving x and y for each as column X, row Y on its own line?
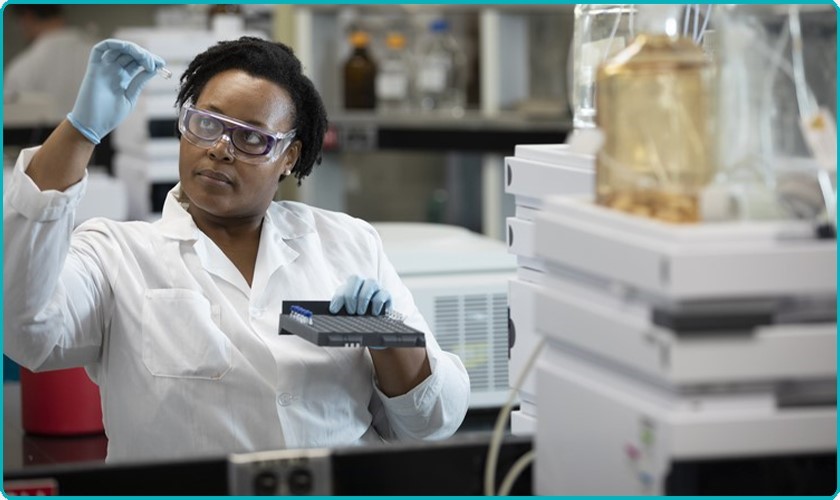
column 76, row 465
column 21, row 450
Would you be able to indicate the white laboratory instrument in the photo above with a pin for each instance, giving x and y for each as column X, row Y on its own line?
column 683, row 359
column 533, row 173
column 459, row 282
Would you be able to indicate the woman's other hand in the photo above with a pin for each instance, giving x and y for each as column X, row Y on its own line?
column 357, row 293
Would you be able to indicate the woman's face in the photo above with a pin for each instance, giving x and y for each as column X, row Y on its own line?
column 213, row 180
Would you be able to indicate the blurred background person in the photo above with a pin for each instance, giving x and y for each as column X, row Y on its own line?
column 54, row 62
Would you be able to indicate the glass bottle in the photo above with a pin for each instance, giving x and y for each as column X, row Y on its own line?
column 441, row 83
column 393, row 81
column 359, row 74
column 226, row 20
column 600, row 31
column 655, row 109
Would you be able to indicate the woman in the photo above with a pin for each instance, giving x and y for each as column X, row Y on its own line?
column 177, row 320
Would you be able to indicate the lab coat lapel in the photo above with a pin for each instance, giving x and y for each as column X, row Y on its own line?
column 215, row 262
column 175, row 222
column 178, row 224
column 279, row 227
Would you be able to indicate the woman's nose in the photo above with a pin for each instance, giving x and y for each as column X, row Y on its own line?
column 222, row 150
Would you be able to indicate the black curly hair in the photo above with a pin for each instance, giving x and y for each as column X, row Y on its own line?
column 277, row 63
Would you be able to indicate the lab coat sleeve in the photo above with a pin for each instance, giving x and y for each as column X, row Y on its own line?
column 55, row 293
column 436, row 407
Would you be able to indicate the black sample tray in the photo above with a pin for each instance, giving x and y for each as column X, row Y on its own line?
column 345, row 330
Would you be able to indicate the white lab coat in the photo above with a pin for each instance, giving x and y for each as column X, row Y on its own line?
column 186, row 355
column 54, row 65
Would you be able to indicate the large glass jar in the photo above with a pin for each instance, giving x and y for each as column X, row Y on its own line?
column 655, row 105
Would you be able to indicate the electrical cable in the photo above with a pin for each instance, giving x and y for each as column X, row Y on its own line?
column 784, row 66
column 699, row 39
column 766, row 130
column 515, row 470
column 805, row 104
column 696, row 9
column 612, row 34
column 501, row 420
column 808, row 109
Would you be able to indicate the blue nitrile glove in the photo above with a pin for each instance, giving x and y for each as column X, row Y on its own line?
column 357, row 293
column 116, row 73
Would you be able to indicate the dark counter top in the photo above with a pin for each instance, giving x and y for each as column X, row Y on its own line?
column 21, row 450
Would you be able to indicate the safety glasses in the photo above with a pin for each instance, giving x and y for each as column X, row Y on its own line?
column 250, row 144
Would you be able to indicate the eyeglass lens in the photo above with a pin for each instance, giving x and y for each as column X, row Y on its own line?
column 210, row 128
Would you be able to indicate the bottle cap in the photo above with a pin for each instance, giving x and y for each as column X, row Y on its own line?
column 395, row 41
column 359, row 39
column 439, row 25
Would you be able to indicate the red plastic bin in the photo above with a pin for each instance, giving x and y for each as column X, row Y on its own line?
column 60, row 403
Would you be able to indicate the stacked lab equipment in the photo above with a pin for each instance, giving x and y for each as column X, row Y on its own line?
column 683, row 359
column 146, row 144
column 533, row 173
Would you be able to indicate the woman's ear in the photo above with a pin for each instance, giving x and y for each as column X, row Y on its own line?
column 290, row 158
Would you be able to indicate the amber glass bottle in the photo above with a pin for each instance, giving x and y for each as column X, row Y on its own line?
column 217, row 9
column 360, row 74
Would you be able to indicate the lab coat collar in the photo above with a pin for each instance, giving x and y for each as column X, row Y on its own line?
column 288, row 224
column 178, row 224
column 280, row 224
column 175, row 221
column 273, row 254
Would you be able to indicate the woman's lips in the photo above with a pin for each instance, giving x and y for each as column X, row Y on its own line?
column 215, row 176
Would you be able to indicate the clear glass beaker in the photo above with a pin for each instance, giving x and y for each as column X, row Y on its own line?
column 762, row 151
column 600, row 31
